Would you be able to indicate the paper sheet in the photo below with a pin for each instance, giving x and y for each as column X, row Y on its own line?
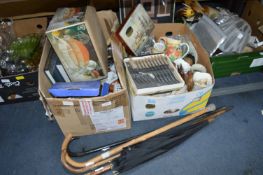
column 257, row 62
column 109, row 120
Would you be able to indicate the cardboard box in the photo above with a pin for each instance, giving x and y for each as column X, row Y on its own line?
column 77, row 38
column 86, row 116
column 253, row 14
column 152, row 107
column 22, row 87
column 23, row 7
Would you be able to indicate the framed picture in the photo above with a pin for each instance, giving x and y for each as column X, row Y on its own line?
column 164, row 8
column 135, row 31
column 158, row 10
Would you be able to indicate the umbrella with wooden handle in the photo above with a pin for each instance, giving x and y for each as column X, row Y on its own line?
column 109, row 156
column 138, row 154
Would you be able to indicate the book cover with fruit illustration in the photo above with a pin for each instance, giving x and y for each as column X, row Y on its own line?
column 70, row 39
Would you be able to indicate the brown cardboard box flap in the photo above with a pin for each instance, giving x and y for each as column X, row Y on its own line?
column 22, row 7
column 43, row 82
column 28, row 26
column 118, row 59
column 96, row 35
column 107, row 19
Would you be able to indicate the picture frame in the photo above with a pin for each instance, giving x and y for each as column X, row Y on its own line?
column 159, row 10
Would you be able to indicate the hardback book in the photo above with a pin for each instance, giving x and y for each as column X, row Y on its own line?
column 77, row 39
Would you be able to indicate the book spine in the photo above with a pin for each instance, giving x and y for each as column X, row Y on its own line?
column 50, row 77
column 63, row 73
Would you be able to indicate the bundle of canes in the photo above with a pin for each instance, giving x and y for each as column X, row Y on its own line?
column 169, row 135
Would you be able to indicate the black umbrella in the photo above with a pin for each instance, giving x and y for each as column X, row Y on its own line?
column 145, row 151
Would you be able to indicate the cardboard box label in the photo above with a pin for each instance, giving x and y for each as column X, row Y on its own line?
column 106, row 104
column 257, row 62
column 86, row 107
column 109, row 120
column 68, row 103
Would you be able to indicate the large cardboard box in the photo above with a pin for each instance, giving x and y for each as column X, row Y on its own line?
column 152, row 107
column 23, row 87
column 86, row 116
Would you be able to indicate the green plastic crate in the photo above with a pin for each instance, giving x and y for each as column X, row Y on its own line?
column 234, row 64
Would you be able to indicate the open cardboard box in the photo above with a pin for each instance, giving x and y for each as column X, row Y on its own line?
column 23, row 87
column 145, row 107
column 105, row 114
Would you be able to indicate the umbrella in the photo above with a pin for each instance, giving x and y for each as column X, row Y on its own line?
column 125, row 156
